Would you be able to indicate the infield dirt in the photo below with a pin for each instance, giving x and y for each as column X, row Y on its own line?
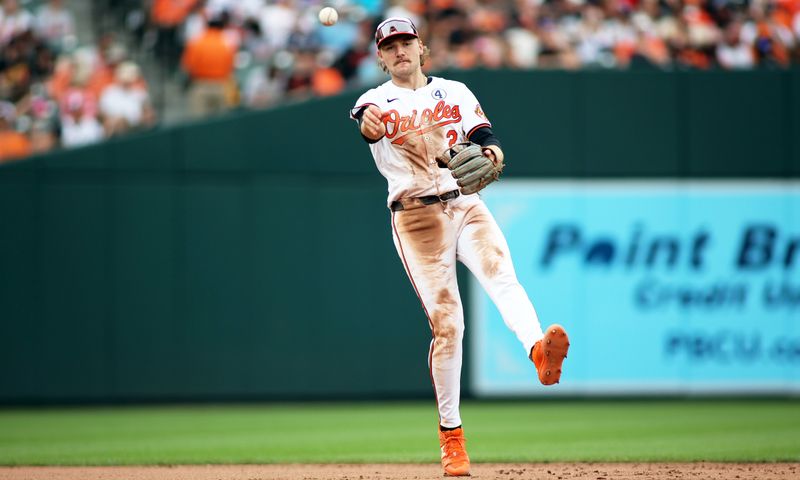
column 486, row 471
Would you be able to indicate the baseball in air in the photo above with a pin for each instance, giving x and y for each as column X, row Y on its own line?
column 328, row 16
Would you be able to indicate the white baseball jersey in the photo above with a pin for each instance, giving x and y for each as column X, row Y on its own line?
column 420, row 125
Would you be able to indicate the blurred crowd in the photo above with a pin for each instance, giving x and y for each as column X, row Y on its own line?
column 55, row 92
column 256, row 53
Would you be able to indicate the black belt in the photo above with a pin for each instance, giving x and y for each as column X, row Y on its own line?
column 397, row 205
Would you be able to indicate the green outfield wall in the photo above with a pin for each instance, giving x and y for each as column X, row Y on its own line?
column 250, row 256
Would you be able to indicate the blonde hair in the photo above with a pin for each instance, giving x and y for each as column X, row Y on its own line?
column 426, row 53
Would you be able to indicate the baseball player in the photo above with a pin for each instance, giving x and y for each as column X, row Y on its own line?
column 435, row 146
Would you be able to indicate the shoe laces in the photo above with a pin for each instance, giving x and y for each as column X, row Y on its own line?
column 454, row 445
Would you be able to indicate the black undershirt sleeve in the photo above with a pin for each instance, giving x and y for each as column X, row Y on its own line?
column 367, row 139
column 484, row 137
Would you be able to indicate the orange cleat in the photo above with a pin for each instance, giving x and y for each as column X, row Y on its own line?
column 549, row 353
column 454, row 454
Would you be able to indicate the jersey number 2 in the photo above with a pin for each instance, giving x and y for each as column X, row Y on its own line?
column 453, row 136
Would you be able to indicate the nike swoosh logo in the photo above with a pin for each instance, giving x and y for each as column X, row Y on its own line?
column 392, row 100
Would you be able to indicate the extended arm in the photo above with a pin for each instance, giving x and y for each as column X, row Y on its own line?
column 370, row 124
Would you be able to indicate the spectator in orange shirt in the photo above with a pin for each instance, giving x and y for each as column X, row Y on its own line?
column 13, row 144
column 327, row 81
column 208, row 60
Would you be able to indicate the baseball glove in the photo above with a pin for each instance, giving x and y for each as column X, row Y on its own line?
column 470, row 167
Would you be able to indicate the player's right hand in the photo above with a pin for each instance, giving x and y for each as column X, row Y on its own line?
column 371, row 125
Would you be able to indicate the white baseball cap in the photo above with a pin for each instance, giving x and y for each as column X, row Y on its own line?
column 394, row 26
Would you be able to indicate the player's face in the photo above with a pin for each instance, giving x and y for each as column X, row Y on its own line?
column 401, row 55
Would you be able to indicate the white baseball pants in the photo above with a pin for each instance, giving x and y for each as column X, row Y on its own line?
column 429, row 240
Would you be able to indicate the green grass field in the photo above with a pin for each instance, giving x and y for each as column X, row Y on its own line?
column 753, row 430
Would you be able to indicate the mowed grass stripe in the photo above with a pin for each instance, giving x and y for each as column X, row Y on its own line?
column 755, row 430
column 645, row 431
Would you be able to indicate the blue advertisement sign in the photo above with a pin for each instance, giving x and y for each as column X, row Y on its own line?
column 663, row 287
